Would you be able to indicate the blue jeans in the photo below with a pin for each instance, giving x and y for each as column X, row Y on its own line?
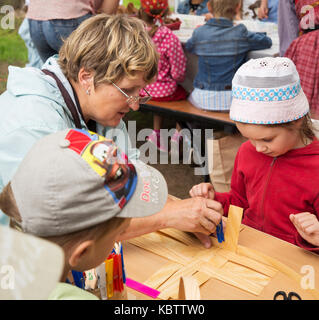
column 48, row 35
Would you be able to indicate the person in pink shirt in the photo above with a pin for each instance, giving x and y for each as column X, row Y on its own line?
column 171, row 68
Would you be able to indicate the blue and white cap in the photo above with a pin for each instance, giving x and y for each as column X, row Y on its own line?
column 267, row 91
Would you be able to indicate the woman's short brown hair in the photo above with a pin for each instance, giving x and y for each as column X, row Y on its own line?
column 113, row 47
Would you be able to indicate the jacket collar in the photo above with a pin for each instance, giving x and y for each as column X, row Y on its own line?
column 220, row 22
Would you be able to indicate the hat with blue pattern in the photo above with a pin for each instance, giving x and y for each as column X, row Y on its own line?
column 267, row 91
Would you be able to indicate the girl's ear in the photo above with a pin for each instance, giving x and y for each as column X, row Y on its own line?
column 79, row 252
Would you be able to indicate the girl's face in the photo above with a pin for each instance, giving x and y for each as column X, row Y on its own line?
column 271, row 141
column 107, row 105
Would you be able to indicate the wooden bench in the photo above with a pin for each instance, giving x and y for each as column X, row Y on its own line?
column 184, row 111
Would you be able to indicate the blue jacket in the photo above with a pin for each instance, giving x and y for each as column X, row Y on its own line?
column 33, row 107
column 222, row 48
column 184, row 8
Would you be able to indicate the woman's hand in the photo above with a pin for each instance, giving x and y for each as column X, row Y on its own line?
column 198, row 215
column 307, row 225
column 204, row 189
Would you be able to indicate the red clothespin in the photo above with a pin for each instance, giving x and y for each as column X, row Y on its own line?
column 116, row 273
column 121, row 285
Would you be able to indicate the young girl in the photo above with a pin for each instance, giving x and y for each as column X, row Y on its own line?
column 172, row 63
column 303, row 51
column 221, row 48
column 276, row 173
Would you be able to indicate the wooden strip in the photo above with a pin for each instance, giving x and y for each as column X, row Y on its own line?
column 169, row 289
column 160, row 276
column 231, row 278
column 182, row 236
column 247, row 262
column 292, row 274
column 164, row 247
column 201, row 277
column 247, row 273
column 233, row 227
column 156, row 248
column 188, row 289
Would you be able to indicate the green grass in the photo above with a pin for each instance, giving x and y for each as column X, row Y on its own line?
column 12, row 47
column 137, row 3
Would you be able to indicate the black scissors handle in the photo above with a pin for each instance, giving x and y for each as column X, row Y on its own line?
column 285, row 296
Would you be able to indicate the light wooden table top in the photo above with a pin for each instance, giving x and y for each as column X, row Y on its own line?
column 141, row 264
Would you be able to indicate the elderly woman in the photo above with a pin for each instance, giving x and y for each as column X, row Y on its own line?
column 100, row 70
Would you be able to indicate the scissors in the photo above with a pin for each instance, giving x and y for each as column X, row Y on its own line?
column 287, row 297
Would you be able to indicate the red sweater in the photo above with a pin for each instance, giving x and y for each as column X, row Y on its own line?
column 270, row 189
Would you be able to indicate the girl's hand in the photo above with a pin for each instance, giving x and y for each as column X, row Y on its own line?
column 205, row 190
column 307, row 225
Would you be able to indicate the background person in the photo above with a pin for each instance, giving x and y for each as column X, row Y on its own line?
column 222, row 48
column 172, row 65
column 303, row 51
column 53, row 20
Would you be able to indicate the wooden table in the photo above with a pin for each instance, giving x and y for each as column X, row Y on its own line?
column 141, row 264
column 185, row 111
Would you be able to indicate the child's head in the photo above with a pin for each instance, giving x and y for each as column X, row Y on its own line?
column 224, row 8
column 152, row 11
column 76, row 189
column 270, row 107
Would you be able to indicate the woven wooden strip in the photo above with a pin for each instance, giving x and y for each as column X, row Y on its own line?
column 231, row 278
column 164, row 247
column 169, row 289
column 292, row 274
column 247, row 262
column 201, row 277
column 160, row 276
column 247, row 273
column 182, row 236
column 233, row 228
column 188, row 289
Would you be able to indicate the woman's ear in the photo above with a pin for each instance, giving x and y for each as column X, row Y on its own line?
column 80, row 252
column 85, row 78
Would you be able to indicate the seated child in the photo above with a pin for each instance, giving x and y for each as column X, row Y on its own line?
column 197, row 7
column 171, row 67
column 221, row 48
column 303, row 51
column 76, row 189
column 276, row 173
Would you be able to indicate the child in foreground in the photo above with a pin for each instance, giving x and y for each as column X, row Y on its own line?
column 74, row 188
column 276, row 173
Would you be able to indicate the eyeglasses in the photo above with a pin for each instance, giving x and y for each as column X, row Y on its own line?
column 132, row 100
